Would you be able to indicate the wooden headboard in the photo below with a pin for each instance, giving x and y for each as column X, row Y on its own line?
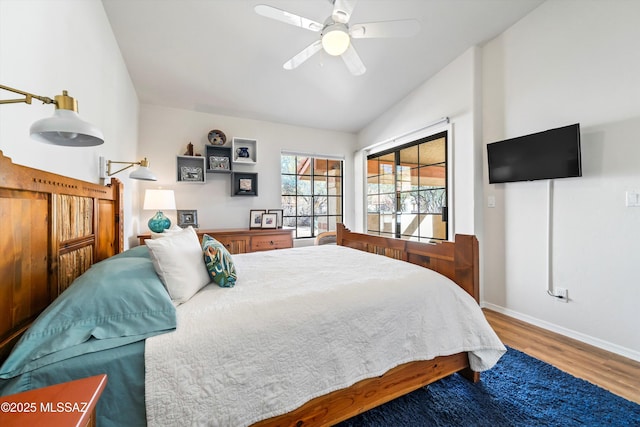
column 458, row 260
column 52, row 229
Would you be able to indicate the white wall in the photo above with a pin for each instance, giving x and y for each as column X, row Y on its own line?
column 50, row 46
column 165, row 133
column 451, row 93
column 569, row 61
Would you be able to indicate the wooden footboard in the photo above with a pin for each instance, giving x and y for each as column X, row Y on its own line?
column 457, row 260
column 343, row 404
column 53, row 229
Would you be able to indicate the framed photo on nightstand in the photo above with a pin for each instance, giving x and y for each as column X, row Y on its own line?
column 269, row 220
column 255, row 218
column 279, row 213
column 187, row 218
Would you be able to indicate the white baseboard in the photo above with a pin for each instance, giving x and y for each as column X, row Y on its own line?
column 596, row 342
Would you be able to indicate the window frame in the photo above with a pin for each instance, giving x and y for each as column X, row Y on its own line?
column 396, row 212
column 312, row 176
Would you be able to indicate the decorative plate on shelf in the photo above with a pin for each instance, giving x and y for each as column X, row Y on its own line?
column 217, row 137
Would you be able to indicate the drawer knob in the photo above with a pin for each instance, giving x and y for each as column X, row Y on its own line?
column 271, row 243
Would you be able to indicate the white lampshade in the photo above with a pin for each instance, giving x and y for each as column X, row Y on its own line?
column 66, row 128
column 335, row 39
column 144, row 173
column 159, row 200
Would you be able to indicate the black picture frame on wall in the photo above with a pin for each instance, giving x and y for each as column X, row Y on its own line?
column 244, row 184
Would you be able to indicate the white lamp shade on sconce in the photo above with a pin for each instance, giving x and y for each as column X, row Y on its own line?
column 159, row 200
column 66, row 128
column 144, row 173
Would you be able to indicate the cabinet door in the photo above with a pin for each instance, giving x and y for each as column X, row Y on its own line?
column 234, row 244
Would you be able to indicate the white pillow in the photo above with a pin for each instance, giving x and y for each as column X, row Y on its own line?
column 173, row 229
column 155, row 235
column 177, row 258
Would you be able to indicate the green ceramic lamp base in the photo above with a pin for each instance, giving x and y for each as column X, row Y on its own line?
column 158, row 223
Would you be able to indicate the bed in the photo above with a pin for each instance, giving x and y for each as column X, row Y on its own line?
column 124, row 349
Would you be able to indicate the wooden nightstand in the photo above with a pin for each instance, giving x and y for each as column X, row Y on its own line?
column 61, row 405
column 243, row 240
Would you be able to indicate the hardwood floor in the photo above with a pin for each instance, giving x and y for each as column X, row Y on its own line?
column 615, row 373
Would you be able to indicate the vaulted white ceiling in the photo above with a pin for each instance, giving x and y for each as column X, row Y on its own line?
column 220, row 57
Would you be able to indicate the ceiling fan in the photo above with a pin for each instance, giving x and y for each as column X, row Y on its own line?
column 336, row 33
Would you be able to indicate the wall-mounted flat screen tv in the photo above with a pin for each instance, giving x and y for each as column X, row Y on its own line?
column 554, row 153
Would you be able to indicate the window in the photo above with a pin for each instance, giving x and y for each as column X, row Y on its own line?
column 407, row 190
column 311, row 193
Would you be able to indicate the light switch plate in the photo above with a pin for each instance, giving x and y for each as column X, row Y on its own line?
column 632, row 199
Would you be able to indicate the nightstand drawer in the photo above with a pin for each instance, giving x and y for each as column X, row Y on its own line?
column 271, row 241
column 234, row 244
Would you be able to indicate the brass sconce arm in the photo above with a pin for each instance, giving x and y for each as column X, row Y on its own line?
column 143, row 163
column 27, row 97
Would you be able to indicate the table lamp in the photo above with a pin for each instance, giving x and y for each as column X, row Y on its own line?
column 160, row 200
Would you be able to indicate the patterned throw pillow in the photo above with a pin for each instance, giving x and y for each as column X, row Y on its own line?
column 219, row 262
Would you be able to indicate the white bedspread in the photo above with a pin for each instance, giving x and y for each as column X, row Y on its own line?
column 301, row 323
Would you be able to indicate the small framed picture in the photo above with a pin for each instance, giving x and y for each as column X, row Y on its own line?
column 255, row 218
column 279, row 214
column 219, row 163
column 244, row 184
column 269, row 220
column 191, row 173
column 187, row 218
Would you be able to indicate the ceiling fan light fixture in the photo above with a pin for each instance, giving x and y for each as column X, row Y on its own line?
column 336, row 33
column 335, row 39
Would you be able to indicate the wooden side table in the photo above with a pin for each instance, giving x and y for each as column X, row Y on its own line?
column 61, row 405
column 243, row 240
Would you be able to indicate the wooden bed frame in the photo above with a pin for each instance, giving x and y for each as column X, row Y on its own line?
column 54, row 227
column 459, row 262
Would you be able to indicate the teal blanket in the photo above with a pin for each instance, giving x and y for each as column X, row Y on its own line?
column 97, row 326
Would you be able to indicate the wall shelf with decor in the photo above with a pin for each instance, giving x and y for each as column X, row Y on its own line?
column 218, row 159
column 191, row 169
column 244, row 184
column 244, row 151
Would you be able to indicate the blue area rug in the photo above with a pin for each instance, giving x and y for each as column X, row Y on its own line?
column 518, row 391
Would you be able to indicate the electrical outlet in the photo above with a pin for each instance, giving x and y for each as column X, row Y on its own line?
column 562, row 294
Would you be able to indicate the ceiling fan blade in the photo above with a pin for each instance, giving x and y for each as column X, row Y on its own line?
column 353, row 62
column 400, row 28
column 305, row 54
column 342, row 10
column 287, row 17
